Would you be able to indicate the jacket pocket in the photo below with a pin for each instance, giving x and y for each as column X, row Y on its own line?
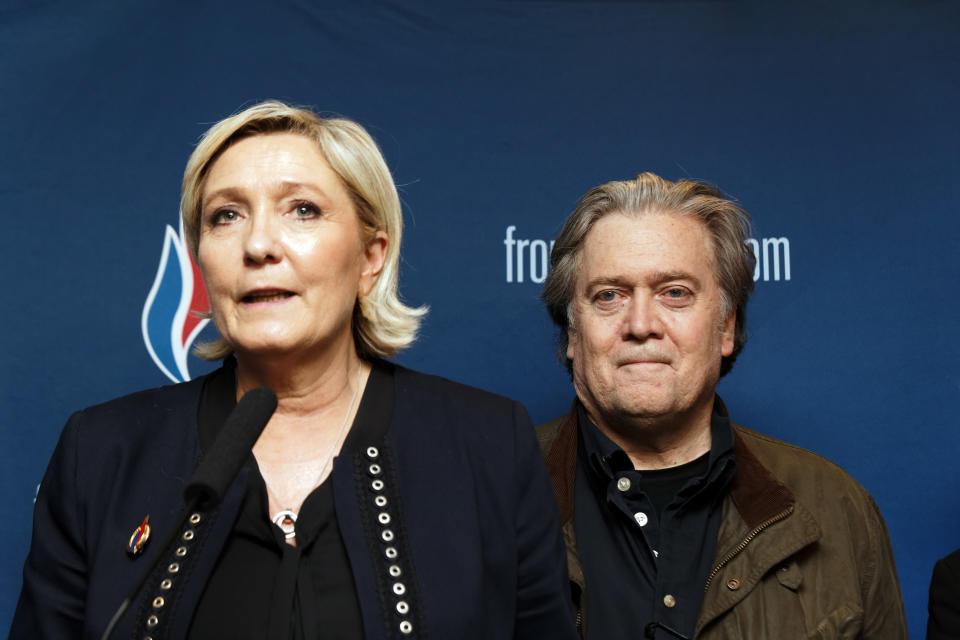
column 843, row 623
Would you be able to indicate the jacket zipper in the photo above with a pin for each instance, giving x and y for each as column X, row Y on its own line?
column 579, row 622
column 743, row 544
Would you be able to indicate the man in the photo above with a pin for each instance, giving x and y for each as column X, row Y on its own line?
column 678, row 523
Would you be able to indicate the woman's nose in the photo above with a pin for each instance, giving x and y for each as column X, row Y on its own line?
column 262, row 242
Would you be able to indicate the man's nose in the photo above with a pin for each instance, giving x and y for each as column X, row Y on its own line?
column 642, row 319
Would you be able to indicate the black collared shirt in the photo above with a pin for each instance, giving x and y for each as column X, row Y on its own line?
column 262, row 587
column 646, row 539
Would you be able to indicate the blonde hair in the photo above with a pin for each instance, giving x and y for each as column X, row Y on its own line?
column 382, row 324
column 727, row 225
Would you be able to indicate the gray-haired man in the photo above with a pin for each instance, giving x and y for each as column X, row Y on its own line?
column 680, row 524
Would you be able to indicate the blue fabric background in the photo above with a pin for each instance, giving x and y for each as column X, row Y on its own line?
column 834, row 124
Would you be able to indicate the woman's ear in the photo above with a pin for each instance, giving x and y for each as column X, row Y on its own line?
column 374, row 257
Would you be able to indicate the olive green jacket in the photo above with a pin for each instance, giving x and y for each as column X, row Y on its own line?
column 802, row 550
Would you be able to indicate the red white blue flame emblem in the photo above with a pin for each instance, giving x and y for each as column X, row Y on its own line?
column 171, row 319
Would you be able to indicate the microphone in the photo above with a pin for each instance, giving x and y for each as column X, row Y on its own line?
column 216, row 471
column 218, row 468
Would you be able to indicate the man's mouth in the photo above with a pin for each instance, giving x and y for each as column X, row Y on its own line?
column 646, row 358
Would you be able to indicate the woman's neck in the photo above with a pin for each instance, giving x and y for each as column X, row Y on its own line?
column 305, row 384
column 318, row 399
column 315, row 406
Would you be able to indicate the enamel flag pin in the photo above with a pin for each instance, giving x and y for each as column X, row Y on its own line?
column 139, row 537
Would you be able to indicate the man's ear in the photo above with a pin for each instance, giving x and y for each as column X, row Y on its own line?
column 573, row 338
column 728, row 334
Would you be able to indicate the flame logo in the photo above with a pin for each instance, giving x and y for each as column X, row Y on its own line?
column 171, row 318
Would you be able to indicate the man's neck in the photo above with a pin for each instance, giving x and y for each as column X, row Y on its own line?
column 659, row 442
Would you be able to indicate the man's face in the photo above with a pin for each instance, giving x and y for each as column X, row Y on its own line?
column 646, row 335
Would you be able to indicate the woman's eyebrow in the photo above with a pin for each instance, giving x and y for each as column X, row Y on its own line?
column 226, row 193
column 280, row 189
column 286, row 187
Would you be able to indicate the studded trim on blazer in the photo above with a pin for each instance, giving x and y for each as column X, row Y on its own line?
column 162, row 591
column 382, row 519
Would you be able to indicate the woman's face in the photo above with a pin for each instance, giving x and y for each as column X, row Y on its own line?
column 281, row 248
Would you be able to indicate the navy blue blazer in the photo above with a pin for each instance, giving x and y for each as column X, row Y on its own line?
column 471, row 525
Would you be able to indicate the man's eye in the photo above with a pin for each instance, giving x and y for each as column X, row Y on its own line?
column 607, row 296
column 677, row 294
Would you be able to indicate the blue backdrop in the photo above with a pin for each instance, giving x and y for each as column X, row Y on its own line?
column 834, row 124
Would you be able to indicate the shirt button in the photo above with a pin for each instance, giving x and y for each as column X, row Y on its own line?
column 733, row 584
column 641, row 518
column 623, row 484
column 669, row 601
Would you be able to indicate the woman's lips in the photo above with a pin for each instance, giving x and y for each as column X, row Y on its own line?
column 266, row 295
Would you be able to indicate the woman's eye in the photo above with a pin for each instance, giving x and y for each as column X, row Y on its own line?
column 305, row 210
column 223, row 216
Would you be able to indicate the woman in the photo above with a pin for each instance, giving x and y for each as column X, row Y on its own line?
column 378, row 503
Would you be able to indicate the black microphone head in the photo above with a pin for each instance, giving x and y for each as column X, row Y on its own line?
column 221, row 463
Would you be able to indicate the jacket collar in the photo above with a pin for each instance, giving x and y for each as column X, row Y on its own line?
column 756, row 494
column 561, row 458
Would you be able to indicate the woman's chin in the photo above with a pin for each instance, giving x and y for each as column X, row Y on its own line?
column 281, row 348
column 267, row 348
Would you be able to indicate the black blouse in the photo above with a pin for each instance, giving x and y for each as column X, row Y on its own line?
column 262, row 587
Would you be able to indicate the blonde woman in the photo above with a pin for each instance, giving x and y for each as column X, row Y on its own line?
column 377, row 503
